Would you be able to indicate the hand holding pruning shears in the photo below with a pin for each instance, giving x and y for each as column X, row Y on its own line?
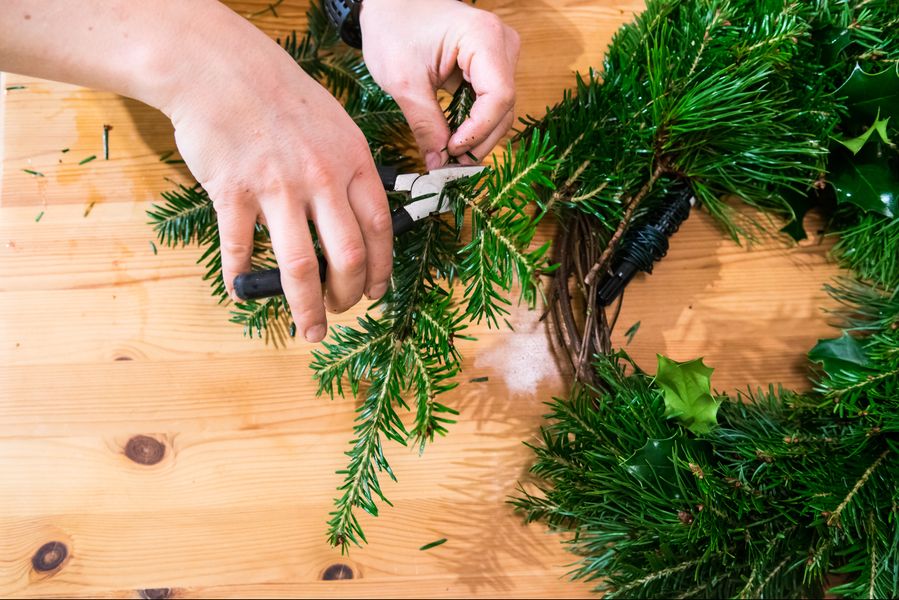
column 265, row 140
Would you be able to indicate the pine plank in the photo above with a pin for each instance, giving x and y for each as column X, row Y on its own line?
column 103, row 340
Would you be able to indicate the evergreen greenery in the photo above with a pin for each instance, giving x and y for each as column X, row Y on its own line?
column 668, row 491
column 401, row 356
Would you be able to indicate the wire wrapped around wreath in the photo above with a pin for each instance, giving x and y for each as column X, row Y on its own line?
column 669, row 491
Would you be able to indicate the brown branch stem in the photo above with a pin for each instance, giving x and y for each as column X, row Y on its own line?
column 625, row 221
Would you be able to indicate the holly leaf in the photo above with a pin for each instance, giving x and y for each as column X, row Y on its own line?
column 653, row 466
column 688, row 396
column 840, row 354
column 869, row 96
column 832, row 41
column 800, row 204
column 856, row 144
column 869, row 179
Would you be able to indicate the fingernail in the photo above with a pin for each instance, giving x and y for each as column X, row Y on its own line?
column 433, row 161
column 377, row 290
column 314, row 334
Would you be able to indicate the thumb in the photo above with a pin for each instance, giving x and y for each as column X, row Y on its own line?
column 428, row 123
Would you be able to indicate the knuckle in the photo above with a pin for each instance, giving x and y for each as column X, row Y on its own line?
column 422, row 128
column 226, row 202
column 381, row 222
column 400, row 88
column 513, row 38
column 353, row 257
column 506, row 98
column 321, row 173
column 231, row 248
column 300, row 267
column 490, row 23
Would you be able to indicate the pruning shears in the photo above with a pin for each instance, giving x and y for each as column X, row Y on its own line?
column 426, row 194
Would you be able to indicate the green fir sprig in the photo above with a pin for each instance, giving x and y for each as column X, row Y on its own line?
column 781, row 494
column 401, row 356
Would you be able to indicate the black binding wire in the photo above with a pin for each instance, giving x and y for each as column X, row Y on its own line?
column 645, row 243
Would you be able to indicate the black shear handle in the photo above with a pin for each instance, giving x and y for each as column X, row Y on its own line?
column 265, row 284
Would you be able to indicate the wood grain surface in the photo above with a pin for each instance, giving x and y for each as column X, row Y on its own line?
column 111, row 354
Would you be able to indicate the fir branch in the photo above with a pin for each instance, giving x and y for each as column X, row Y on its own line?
column 377, row 417
column 873, row 576
column 761, row 588
column 667, row 572
column 394, row 352
column 498, row 252
column 460, row 106
column 187, row 217
column 749, row 113
column 869, row 246
column 256, row 316
column 833, row 520
column 429, row 380
column 348, row 354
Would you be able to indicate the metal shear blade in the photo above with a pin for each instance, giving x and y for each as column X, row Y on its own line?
column 430, row 188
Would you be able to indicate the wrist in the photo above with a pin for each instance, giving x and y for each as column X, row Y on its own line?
column 185, row 62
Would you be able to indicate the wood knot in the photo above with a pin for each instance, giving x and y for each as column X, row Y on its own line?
column 337, row 571
column 144, row 450
column 49, row 556
column 155, row 593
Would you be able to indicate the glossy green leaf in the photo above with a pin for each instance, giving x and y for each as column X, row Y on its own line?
column 869, row 179
column 833, row 41
column 869, row 95
column 839, row 354
column 800, row 204
column 688, row 396
column 856, row 144
column 652, row 464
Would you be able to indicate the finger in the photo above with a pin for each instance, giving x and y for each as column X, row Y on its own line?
column 293, row 248
column 485, row 148
column 237, row 224
column 369, row 203
column 453, row 82
column 342, row 244
column 491, row 71
column 426, row 119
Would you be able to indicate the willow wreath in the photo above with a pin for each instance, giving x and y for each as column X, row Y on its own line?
column 669, row 490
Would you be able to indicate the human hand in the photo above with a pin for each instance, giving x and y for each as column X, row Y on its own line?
column 268, row 143
column 415, row 47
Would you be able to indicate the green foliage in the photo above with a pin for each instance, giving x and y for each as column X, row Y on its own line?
column 186, row 218
column 408, row 350
column 866, row 245
column 703, row 91
column 867, row 178
column 872, row 96
column 841, row 353
column 502, row 230
column 788, row 489
column 856, row 144
column 688, row 396
column 401, row 356
column 765, row 505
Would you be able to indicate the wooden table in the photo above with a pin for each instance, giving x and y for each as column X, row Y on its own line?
column 102, row 340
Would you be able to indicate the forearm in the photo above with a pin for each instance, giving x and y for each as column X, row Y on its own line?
column 144, row 49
